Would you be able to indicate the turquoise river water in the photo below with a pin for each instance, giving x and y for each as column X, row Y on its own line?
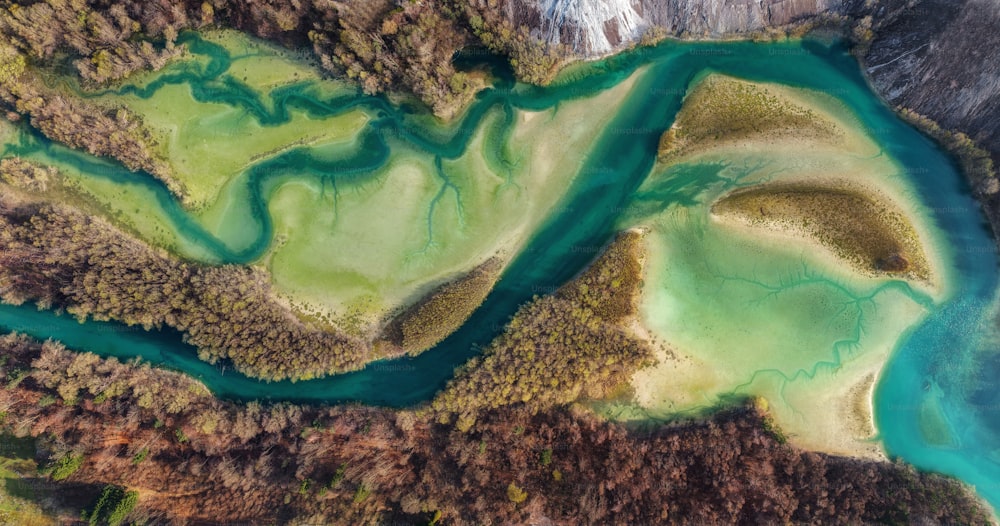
column 946, row 365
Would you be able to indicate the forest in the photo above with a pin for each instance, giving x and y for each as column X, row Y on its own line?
column 60, row 258
column 384, row 46
column 191, row 457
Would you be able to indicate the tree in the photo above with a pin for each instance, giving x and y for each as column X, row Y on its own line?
column 65, row 466
column 516, row 494
column 111, row 508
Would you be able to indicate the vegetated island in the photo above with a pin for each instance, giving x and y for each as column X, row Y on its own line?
column 723, row 111
column 860, row 229
column 843, row 205
column 845, row 215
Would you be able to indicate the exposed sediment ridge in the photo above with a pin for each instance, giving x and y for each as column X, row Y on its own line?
column 859, row 227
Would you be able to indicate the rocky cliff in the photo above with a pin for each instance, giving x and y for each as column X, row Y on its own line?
column 939, row 58
column 596, row 27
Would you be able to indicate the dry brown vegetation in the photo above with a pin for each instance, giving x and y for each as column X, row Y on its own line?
column 77, row 123
column 192, row 457
column 869, row 233
column 560, row 347
column 22, row 174
column 441, row 311
column 722, row 109
column 532, row 60
column 60, row 258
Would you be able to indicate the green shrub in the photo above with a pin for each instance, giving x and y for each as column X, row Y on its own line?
column 516, row 494
column 65, row 466
column 112, row 506
column 362, row 493
column 772, row 429
column 338, row 476
column 546, row 456
column 140, row 456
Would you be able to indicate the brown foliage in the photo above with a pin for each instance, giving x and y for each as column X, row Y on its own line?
column 359, row 465
column 441, row 311
column 22, row 174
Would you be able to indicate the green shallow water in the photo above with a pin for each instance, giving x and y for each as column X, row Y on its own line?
column 942, row 371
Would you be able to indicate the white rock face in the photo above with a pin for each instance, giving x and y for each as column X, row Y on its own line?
column 591, row 26
column 598, row 27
